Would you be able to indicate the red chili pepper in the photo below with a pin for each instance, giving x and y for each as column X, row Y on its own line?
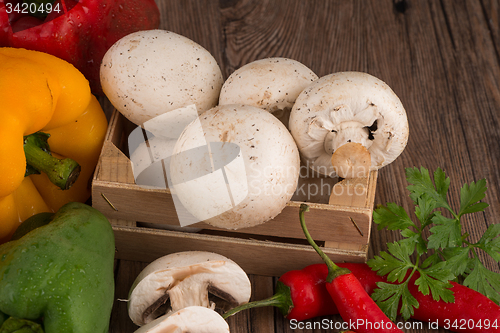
column 471, row 311
column 302, row 294
column 79, row 32
column 355, row 306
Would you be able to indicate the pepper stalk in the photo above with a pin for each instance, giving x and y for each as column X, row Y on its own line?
column 61, row 172
column 17, row 325
column 282, row 299
column 334, row 271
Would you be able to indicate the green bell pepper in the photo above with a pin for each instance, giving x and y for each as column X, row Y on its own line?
column 59, row 275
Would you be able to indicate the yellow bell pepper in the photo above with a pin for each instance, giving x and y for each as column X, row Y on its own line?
column 42, row 93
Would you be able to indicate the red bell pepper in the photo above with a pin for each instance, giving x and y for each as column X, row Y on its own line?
column 79, row 32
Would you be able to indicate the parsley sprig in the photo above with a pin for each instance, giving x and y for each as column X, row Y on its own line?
column 442, row 256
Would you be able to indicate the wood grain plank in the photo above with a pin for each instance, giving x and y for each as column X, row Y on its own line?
column 254, row 256
column 440, row 57
column 125, row 273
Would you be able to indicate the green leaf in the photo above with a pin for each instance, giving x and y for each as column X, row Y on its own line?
column 484, row 281
column 490, row 241
column 446, row 233
column 408, row 304
column 389, row 266
column 478, row 207
column 434, row 280
column 439, row 271
column 414, row 239
column 442, row 182
column 431, row 260
column 424, row 210
column 392, row 217
column 394, row 264
column 470, row 194
column 457, row 259
column 422, row 184
column 436, row 288
column 401, row 251
column 388, row 297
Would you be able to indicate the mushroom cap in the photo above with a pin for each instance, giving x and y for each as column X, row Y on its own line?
column 148, row 73
column 192, row 319
column 246, row 176
column 186, row 278
column 348, row 107
column 271, row 84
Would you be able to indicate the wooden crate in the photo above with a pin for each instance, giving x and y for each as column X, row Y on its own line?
column 340, row 223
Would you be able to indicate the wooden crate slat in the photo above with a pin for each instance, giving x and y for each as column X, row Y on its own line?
column 144, row 205
column 255, row 257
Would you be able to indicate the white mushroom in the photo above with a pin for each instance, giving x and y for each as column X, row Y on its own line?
column 148, row 73
column 348, row 107
column 183, row 279
column 236, row 166
column 193, row 319
column 272, row 84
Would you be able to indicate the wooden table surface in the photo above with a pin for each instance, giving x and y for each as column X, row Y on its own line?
column 441, row 57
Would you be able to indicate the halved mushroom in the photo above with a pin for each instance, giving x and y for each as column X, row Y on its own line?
column 192, row 319
column 183, row 279
column 236, row 166
column 148, row 73
column 348, row 107
column 272, row 84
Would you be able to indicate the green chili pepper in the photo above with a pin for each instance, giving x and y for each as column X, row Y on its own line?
column 60, row 274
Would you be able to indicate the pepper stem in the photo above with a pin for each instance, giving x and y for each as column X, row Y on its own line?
column 282, row 299
column 333, row 270
column 61, row 172
column 16, row 325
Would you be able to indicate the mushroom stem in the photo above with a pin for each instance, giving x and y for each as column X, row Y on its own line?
column 351, row 160
column 189, row 294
